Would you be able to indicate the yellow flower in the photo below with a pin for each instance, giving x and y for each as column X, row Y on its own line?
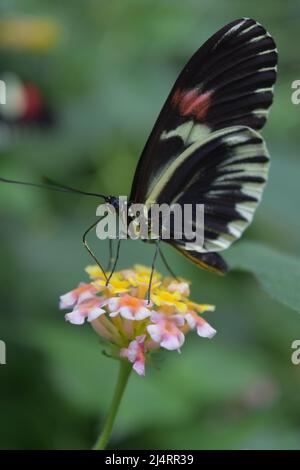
column 139, row 278
column 94, row 272
column 145, row 271
column 116, row 284
column 201, row 308
column 174, row 299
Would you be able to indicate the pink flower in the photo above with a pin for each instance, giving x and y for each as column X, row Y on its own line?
column 133, row 328
column 128, row 307
column 135, row 353
column 88, row 308
column 82, row 292
column 165, row 331
column 203, row 328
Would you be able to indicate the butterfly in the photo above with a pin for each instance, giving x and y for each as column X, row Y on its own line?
column 205, row 148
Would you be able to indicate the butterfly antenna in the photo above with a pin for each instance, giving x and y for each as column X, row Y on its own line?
column 50, row 184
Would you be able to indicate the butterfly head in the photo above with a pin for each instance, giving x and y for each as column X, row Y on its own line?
column 113, row 201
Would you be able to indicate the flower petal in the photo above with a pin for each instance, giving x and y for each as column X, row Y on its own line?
column 191, row 321
column 178, row 319
column 155, row 332
column 87, row 295
column 142, row 313
column 95, row 313
column 205, row 330
column 82, row 291
column 181, row 287
column 139, row 367
column 135, row 353
column 126, row 312
column 75, row 317
column 67, row 300
column 113, row 304
column 172, row 342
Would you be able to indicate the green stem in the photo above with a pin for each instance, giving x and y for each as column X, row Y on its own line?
column 124, row 372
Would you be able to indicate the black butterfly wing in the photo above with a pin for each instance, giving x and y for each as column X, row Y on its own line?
column 209, row 261
column 226, row 173
column 228, row 81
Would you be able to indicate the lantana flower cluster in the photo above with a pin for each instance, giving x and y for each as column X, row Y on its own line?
column 121, row 314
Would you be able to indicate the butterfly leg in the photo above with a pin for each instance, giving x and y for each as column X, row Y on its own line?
column 115, row 261
column 89, row 249
column 111, row 258
column 152, row 270
column 167, row 264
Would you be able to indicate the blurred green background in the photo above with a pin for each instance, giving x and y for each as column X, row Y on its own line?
column 106, row 70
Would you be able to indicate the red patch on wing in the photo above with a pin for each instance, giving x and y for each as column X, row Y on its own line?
column 192, row 103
